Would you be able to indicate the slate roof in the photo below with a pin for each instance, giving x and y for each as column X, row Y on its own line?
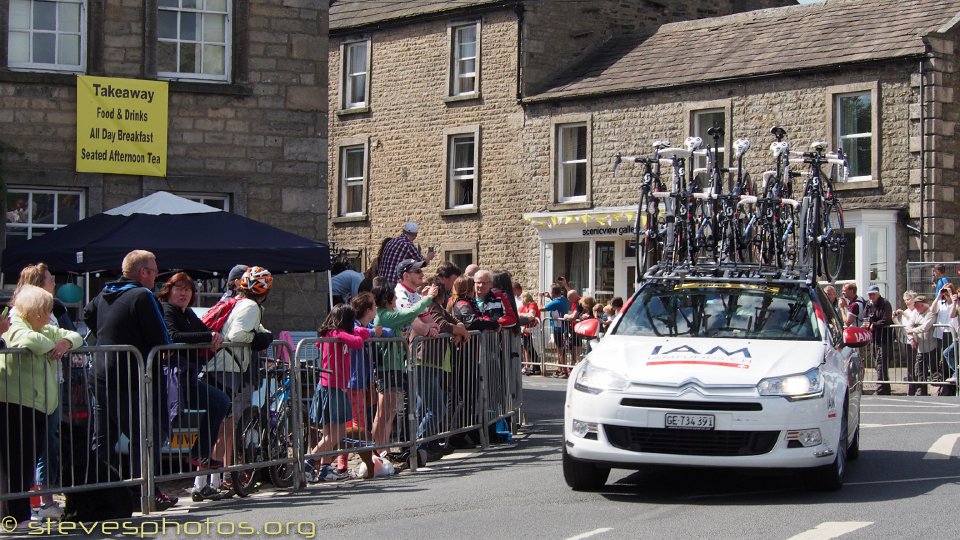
column 761, row 42
column 345, row 14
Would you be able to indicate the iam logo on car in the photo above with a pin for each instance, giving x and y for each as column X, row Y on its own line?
column 687, row 355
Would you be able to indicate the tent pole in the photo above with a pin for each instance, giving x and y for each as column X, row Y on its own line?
column 329, row 291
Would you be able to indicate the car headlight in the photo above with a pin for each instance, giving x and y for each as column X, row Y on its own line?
column 593, row 380
column 794, row 387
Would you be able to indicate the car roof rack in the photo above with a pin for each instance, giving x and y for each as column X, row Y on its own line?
column 731, row 273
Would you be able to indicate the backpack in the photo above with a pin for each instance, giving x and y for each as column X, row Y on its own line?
column 216, row 316
column 861, row 314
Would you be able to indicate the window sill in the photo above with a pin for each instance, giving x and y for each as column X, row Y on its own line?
column 356, row 110
column 350, row 219
column 465, row 97
column 861, row 184
column 578, row 205
column 39, row 77
column 460, row 211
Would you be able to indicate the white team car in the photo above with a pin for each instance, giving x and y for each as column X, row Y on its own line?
column 719, row 373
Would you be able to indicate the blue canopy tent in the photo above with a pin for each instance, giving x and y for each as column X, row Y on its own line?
column 184, row 235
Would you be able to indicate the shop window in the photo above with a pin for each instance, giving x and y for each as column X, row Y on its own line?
column 33, row 212
column 47, row 35
column 194, row 39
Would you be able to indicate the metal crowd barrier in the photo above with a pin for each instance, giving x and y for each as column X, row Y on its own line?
column 553, row 345
column 94, row 437
column 163, row 420
column 898, row 357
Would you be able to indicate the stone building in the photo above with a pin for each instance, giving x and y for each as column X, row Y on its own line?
column 515, row 168
column 428, row 123
column 247, row 113
column 859, row 89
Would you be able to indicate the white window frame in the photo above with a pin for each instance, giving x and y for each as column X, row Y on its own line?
column 832, row 97
column 701, row 161
column 454, row 175
column 30, row 65
column 344, row 182
column 207, row 198
column 562, row 197
column 227, row 43
column 31, row 227
column 457, row 76
column 841, row 137
column 346, row 51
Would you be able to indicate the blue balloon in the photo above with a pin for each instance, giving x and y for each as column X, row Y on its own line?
column 70, row 293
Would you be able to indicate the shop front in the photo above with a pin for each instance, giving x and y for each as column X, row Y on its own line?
column 593, row 249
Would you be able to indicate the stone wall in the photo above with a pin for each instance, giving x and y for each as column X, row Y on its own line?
column 798, row 103
column 405, row 131
column 261, row 140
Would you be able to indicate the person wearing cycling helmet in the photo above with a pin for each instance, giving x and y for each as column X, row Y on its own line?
column 241, row 327
column 232, row 369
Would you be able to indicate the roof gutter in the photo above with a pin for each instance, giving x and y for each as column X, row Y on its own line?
column 425, row 17
column 708, row 82
column 518, row 8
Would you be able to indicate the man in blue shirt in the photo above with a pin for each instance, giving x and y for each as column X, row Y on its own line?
column 558, row 306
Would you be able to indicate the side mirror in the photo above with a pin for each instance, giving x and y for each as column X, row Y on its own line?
column 856, row 337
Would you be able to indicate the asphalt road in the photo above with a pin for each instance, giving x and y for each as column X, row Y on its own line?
column 905, row 485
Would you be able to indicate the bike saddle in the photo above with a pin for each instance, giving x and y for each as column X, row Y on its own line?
column 716, row 132
column 693, row 143
column 660, row 145
column 740, row 146
column 819, row 146
column 778, row 132
column 779, row 148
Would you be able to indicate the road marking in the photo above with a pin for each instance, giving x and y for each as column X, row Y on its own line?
column 911, row 402
column 591, row 533
column 902, row 481
column 912, row 412
column 943, row 448
column 869, row 426
column 831, row 529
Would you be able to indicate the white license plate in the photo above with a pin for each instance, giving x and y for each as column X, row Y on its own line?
column 689, row 421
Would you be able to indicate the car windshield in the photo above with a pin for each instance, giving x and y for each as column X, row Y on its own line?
column 721, row 311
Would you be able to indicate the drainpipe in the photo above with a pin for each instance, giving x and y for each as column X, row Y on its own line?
column 518, row 8
column 923, row 167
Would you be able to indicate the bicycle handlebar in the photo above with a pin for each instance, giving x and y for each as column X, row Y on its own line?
column 673, row 153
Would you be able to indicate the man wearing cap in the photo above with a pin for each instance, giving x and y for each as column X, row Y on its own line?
column 920, row 332
column 878, row 320
column 398, row 249
column 233, row 280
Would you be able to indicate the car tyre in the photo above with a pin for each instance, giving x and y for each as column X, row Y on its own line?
column 830, row 477
column 854, row 451
column 583, row 475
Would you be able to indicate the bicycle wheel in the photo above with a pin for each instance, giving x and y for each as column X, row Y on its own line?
column 728, row 249
column 248, row 444
column 833, row 242
column 280, row 446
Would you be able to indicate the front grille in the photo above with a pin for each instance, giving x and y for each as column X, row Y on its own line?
column 691, row 442
column 691, row 405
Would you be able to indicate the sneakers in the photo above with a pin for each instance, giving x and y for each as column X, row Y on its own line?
column 952, row 380
column 206, row 493
column 47, row 511
column 327, row 474
column 203, row 464
column 164, row 502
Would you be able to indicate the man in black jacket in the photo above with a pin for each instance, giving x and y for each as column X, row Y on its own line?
column 127, row 313
column 878, row 320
